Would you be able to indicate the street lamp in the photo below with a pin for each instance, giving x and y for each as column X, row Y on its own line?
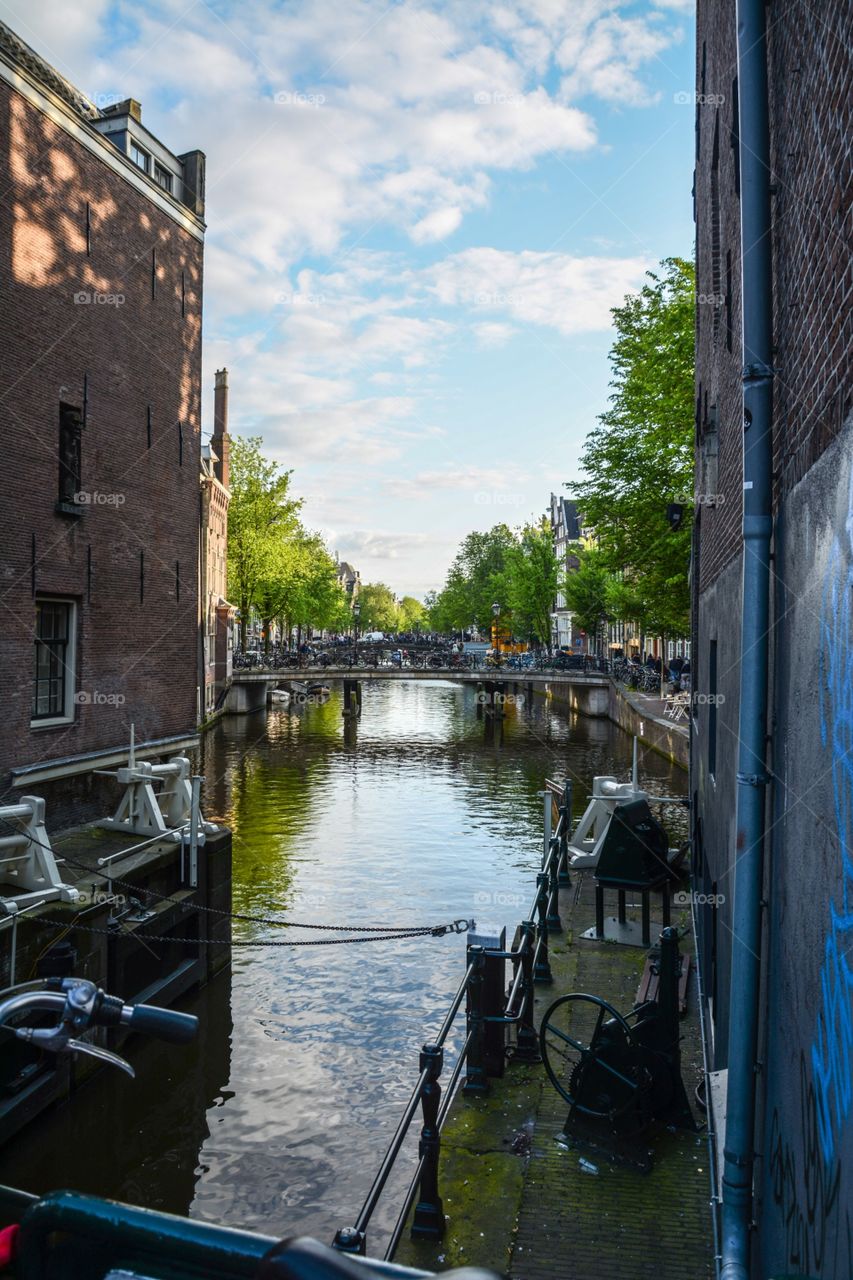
column 496, row 613
column 356, row 610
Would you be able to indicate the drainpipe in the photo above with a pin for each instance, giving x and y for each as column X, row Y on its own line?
column 752, row 777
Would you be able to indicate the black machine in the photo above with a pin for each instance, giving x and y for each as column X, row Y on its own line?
column 619, row 1073
column 635, row 857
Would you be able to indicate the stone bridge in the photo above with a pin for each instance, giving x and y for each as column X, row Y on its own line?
column 585, row 693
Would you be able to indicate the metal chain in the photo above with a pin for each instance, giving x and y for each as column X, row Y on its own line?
column 395, row 930
column 438, row 932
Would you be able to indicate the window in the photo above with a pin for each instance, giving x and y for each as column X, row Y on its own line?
column 162, row 177
column 70, row 461
column 53, row 678
column 140, row 157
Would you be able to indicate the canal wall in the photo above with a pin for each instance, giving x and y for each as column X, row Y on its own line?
column 636, row 718
column 97, row 938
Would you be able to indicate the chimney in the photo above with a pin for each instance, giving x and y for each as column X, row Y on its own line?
column 220, row 442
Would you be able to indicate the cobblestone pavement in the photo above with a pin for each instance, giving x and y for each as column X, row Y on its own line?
column 519, row 1201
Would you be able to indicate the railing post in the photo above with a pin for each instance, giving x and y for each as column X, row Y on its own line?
column 428, row 1222
column 565, row 833
column 542, row 970
column 553, row 921
column 350, row 1240
column 476, row 1079
column 527, row 1041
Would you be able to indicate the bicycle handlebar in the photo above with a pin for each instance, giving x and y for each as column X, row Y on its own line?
column 80, row 1005
column 165, row 1024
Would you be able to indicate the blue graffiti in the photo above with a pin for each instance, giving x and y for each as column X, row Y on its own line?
column 832, row 1048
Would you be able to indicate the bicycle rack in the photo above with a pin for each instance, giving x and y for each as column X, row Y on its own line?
column 27, row 860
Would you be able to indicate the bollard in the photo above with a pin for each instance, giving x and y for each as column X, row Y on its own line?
column 493, row 941
column 476, row 1079
column 542, row 971
column 527, row 1041
column 350, row 1240
column 668, row 987
column 428, row 1222
column 553, row 921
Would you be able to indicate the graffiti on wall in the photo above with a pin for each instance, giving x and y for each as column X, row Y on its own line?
column 806, row 1189
column 832, row 1047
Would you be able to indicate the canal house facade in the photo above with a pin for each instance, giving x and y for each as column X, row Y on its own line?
column 803, row 1132
column 100, row 353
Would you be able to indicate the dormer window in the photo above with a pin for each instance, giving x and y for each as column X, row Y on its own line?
column 162, row 177
column 140, row 158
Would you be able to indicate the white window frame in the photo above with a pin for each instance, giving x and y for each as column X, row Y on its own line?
column 69, row 710
column 159, row 170
column 134, row 146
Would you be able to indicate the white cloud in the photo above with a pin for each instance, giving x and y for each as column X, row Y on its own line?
column 567, row 293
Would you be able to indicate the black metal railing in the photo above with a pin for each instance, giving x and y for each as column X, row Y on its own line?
column 488, row 1008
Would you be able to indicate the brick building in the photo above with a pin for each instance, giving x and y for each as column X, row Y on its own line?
column 217, row 612
column 100, row 347
column 803, row 1135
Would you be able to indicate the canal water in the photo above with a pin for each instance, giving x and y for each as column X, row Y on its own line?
column 276, row 1119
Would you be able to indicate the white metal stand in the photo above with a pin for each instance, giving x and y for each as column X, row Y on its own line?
column 27, row 864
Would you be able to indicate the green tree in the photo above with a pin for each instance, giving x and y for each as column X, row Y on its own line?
column 261, row 516
column 378, row 607
column 411, row 614
column 640, row 456
column 476, row 579
column 531, row 580
column 588, row 591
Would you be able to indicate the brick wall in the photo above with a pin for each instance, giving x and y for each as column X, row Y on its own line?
column 136, row 359
column 810, row 71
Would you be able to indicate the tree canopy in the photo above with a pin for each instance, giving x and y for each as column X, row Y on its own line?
column 639, row 457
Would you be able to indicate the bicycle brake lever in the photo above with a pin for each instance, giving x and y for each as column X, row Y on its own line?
column 56, row 1040
column 95, row 1051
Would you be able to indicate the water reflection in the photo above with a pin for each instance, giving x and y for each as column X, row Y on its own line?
column 428, row 812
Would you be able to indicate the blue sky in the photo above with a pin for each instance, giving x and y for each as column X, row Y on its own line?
column 419, row 216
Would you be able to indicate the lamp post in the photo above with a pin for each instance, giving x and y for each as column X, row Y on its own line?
column 356, row 611
column 496, row 613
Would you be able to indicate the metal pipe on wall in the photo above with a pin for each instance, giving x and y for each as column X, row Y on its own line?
column 752, row 779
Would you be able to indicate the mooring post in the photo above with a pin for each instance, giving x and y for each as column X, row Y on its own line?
column 350, row 1240
column 428, row 1221
column 527, row 1041
column 476, row 1079
column 542, row 969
